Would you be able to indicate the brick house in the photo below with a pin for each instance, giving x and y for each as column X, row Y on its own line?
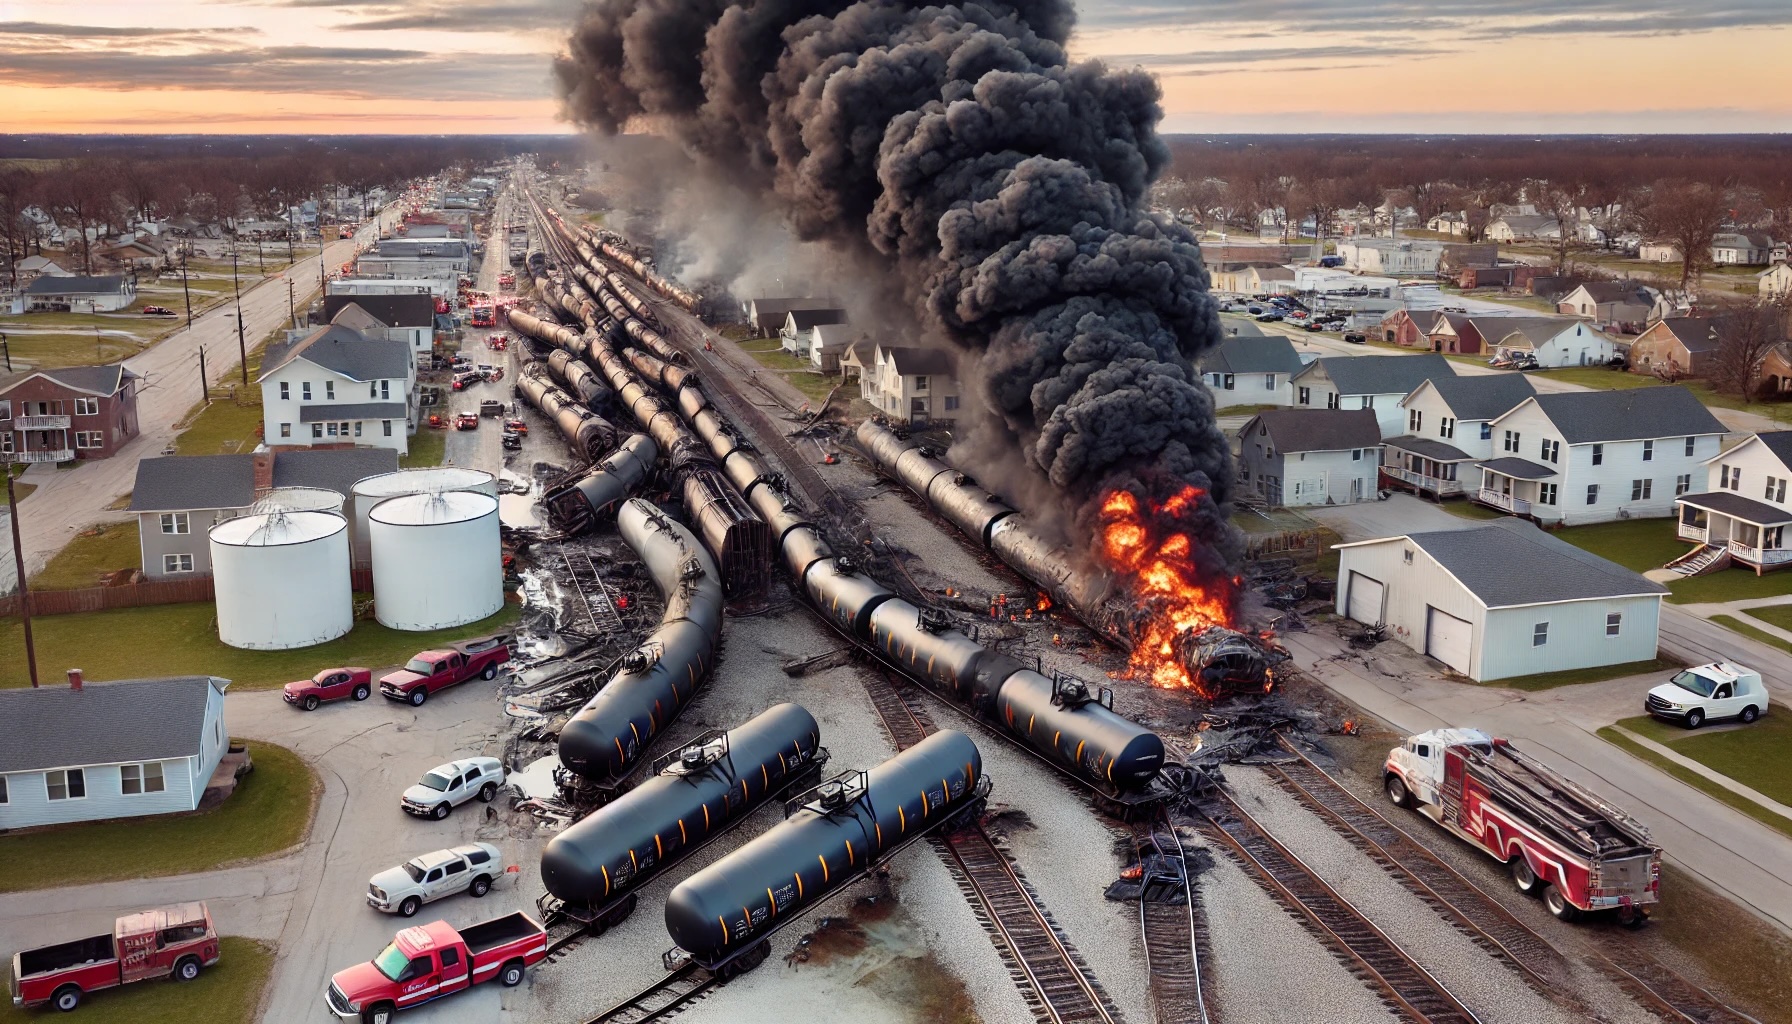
column 80, row 412
column 1456, row 333
column 1402, row 328
column 1684, row 344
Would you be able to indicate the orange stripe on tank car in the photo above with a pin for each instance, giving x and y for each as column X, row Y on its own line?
column 880, row 834
column 824, row 866
column 724, row 925
column 902, row 817
column 765, row 778
column 772, row 900
column 1030, row 719
column 743, row 790
column 633, row 862
column 606, row 871
column 924, row 807
column 682, row 836
column 798, row 875
column 659, row 847
column 637, row 732
column 1079, row 750
column 705, row 819
column 620, row 756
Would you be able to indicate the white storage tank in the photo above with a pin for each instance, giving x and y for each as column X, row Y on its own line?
column 298, row 499
column 375, row 489
column 282, row 580
column 436, row 559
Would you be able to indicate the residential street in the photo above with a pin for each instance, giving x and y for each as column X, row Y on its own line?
column 68, row 500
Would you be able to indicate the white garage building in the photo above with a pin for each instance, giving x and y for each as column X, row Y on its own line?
column 1500, row 600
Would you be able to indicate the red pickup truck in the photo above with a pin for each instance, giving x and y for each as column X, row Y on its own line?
column 435, row 960
column 328, row 685
column 171, row 941
column 434, row 670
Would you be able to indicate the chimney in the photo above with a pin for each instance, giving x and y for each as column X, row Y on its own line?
column 264, row 472
column 74, row 679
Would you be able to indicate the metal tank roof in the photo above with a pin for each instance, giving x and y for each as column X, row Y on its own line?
column 435, row 509
column 417, row 481
column 279, row 529
column 298, row 499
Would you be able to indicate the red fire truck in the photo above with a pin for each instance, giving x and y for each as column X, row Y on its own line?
column 1559, row 841
column 171, row 941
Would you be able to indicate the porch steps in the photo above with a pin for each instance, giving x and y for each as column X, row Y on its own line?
column 1701, row 560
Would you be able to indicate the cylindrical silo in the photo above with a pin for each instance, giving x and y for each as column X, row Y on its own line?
column 282, row 580
column 298, row 499
column 436, row 559
column 375, row 489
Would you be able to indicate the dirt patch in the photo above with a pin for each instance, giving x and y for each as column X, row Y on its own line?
column 934, row 994
column 842, row 938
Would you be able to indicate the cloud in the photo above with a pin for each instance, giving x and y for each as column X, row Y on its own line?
column 51, row 29
column 504, row 17
column 1170, row 62
column 1465, row 18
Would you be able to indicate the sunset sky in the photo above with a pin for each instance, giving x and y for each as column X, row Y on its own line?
column 462, row 66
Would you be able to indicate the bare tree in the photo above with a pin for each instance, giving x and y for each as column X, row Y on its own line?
column 1746, row 331
column 1688, row 215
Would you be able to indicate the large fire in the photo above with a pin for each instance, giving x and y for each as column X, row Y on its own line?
column 1173, row 595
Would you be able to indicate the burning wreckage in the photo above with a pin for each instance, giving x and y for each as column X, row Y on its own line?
column 1149, row 599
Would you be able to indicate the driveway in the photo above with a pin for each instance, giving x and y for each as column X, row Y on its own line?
column 1400, row 514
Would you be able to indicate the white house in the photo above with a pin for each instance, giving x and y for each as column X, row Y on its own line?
column 1658, row 252
column 1366, row 382
column 1741, row 249
column 1775, row 282
column 1298, row 457
column 913, row 385
column 76, row 294
column 410, row 258
column 1552, row 341
column 1520, row 227
column 1501, row 600
column 798, row 334
column 410, row 318
column 827, row 344
column 1744, row 519
column 1400, row 257
column 1449, row 428
column 1251, row 370
column 1594, row 456
column 91, row 751
column 336, row 387
column 442, row 286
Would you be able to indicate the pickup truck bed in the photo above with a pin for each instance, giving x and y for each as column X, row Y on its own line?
column 489, row 935
column 94, row 949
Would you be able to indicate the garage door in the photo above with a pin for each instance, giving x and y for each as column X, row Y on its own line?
column 1447, row 639
column 1363, row 599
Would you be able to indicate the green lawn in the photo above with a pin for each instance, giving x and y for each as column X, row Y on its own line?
column 1571, row 677
column 1752, row 632
column 224, row 994
column 52, row 351
column 1730, row 585
column 1778, row 614
column 182, row 639
column 270, row 811
column 1599, row 378
column 1636, row 544
column 20, row 490
column 1753, row 755
column 427, row 448
column 1470, row 510
column 221, row 428
column 104, row 548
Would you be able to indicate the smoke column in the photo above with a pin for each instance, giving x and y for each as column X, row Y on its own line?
column 1004, row 185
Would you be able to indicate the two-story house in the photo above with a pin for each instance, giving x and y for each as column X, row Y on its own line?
column 1610, row 303
column 77, row 412
column 767, row 315
column 1551, row 341
column 1594, row 456
column 1366, row 382
column 407, row 318
column 1744, row 519
column 1449, row 429
column 1244, row 370
column 92, row 751
column 1298, row 457
column 335, row 386
column 797, row 336
column 913, row 385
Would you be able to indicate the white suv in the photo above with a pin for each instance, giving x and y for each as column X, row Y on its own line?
column 447, row 786
column 473, row 869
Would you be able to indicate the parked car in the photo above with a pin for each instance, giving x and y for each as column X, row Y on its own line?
column 516, row 426
column 168, row 942
column 426, row 962
column 473, row 869
column 1313, row 325
column 1356, row 339
column 466, row 421
column 1701, row 694
column 438, row 669
column 491, row 407
column 511, row 442
column 1266, row 318
column 463, row 381
column 327, row 685
column 445, row 787
column 158, row 311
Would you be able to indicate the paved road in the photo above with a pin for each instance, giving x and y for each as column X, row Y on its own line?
column 68, row 500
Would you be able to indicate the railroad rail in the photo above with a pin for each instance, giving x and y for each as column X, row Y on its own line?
column 1465, row 905
column 1173, row 933
column 1406, row 987
column 662, row 999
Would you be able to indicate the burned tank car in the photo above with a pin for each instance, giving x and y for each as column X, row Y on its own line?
column 734, row 903
column 604, row 740
column 626, row 842
column 845, row 595
column 1065, row 723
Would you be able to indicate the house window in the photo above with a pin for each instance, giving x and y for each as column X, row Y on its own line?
column 1413, row 419
column 285, row 430
column 305, row 390
column 90, row 439
column 1226, row 382
column 1540, row 634
column 1368, row 402
column 66, row 784
column 1306, row 396
column 1599, row 455
column 1546, row 494
column 1331, row 400
column 1648, row 451
column 177, row 563
column 329, row 389
column 1690, row 445
column 175, row 522
column 1682, row 484
column 1550, row 450
column 3, row 797
column 921, row 382
column 1407, row 556
column 386, row 425
column 285, row 390
column 385, row 389
column 330, row 429
column 1511, row 441
column 1486, row 431
column 138, row 779
column 1269, row 382
column 5, row 410
column 1730, row 477
column 1771, row 536
column 1776, row 489
column 87, row 407
column 1446, row 427
column 317, row 430
column 6, row 442
column 951, row 403
column 1592, row 494
column 1640, row 489
column 1356, row 455
column 1614, row 623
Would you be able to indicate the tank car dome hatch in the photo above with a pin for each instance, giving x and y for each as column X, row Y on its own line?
column 282, row 580
column 437, row 562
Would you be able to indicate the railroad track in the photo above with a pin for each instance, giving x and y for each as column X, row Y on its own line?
column 1174, row 934
column 662, row 999
column 1406, row 987
column 1479, row 915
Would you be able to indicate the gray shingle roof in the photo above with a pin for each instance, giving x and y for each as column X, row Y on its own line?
column 1317, row 430
column 346, row 352
column 417, row 310
column 337, row 469
column 916, row 361
column 1381, row 375
column 1431, row 448
column 803, row 319
column 1697, row 333
column 1510, row 562
column 1732, row 504
column 1264, row 354
column 1483, row 396
column 352, row 411
column 421, row 248
column 1522, row 469
column 185, row 483
column 111, row 284
column 1584, row 417
column 103, row 723
column 1779, row 442
column 97, row 380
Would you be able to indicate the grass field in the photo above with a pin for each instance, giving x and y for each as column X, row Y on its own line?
column 107, row 547
column 1753, row 755
column 221, row 428
column 1597, row 674
column 1599, row 378
column 427, row 448
column 269, row 812
column 1778, row 614
column 223, row 994
column 801, row 374
column 1741, row 625
column 1470, row 510
column 1644, row 544
column 1730, row 585
column 52, row 351
column 182, row 639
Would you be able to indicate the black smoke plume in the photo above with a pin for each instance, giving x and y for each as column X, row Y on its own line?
column 1005, row 184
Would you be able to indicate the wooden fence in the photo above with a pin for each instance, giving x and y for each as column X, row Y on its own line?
column 136, row 595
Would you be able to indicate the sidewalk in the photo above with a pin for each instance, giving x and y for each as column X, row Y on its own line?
column 1747, row 793
column 1740, row 608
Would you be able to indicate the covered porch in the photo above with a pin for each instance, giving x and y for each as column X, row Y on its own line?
column 1426, row 466
column 1516, row 486
column 1751, row 532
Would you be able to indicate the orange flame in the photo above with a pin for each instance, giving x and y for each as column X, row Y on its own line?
column 1165, row 580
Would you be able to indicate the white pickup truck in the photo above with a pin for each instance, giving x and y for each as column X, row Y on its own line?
column 474, row 869
column 1700, row 694
column 447, row 786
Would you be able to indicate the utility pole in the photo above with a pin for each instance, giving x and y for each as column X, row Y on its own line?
column 7, row 350
column 18, row 558
column 185, row 289
column 205, row 387
column 292, row 311
column 242, row 346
